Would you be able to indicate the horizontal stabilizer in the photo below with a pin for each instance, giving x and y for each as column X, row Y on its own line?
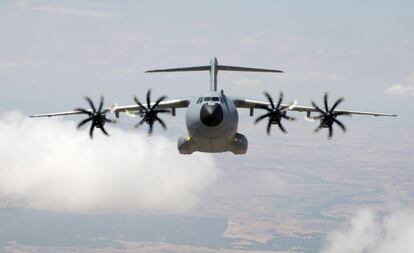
column 235, row 68
column 200, row 68
column 214, row 68
column 218, row 67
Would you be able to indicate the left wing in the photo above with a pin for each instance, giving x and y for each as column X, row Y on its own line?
column 253, row 104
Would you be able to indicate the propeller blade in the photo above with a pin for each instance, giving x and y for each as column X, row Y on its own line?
column 102, row 128
column 281, row 127
column 88, row 99
column 317, row 108
column 317, row 129
column 162, row 123
column 91, row 129
column 139, row 103
column 340, row 124
column 325, row 101
column 336, row 104
column 266, row 108
column 140, row 123
column 320, row 116
column 149, row 99
column 83, row 122
column 261, row 118
column 150, row 130
column 84, row 111
column 158, row 102
column 269, row 126
column 101, row 103
column 330, row 132
column 280, row 100
column 272, row 105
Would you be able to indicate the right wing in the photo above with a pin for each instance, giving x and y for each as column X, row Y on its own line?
column 168, row 104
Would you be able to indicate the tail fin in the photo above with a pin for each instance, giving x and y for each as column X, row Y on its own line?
column 214, row 67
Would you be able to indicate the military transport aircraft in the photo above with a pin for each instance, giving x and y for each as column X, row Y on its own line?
column 212, row 119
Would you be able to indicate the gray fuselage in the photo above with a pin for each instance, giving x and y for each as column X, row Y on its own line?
column 212, row 122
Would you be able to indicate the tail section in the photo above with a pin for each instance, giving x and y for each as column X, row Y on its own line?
column 214, row 68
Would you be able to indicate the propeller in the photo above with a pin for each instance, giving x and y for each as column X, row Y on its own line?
column 150, row 113
column 328, row 116
column 96, row 116
column 275, row 114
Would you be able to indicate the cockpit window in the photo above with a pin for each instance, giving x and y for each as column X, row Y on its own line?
column 200, row 99
column 209, row 99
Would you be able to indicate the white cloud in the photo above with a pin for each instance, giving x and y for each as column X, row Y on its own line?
column 405, row 88
column 21, row 4
column 247, row 82
column 371, row 233
column 400, row 90
column 47, row 164
column 74, row 12
column 66, row 11
column 271, row 43
column 320, row 76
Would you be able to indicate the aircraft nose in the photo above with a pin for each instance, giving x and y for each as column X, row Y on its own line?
column 211, row 115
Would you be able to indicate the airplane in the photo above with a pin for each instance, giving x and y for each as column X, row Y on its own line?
column 212, row 118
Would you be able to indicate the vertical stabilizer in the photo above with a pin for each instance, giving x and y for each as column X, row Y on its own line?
column 213, row 74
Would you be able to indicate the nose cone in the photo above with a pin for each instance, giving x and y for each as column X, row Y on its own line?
column 211, row 115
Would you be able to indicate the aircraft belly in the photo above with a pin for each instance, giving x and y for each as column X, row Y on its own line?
column 212, row 145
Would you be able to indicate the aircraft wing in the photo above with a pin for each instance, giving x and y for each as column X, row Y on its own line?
column 252, row 104
column 167, row 104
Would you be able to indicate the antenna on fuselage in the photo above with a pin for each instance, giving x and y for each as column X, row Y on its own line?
column 214, row 67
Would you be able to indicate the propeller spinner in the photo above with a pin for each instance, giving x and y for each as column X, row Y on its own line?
column 150, row 113
column 274, row 114
column 96, row 116
column 328, row 116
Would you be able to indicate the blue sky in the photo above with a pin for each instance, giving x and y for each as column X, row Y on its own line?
column 354, row 49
